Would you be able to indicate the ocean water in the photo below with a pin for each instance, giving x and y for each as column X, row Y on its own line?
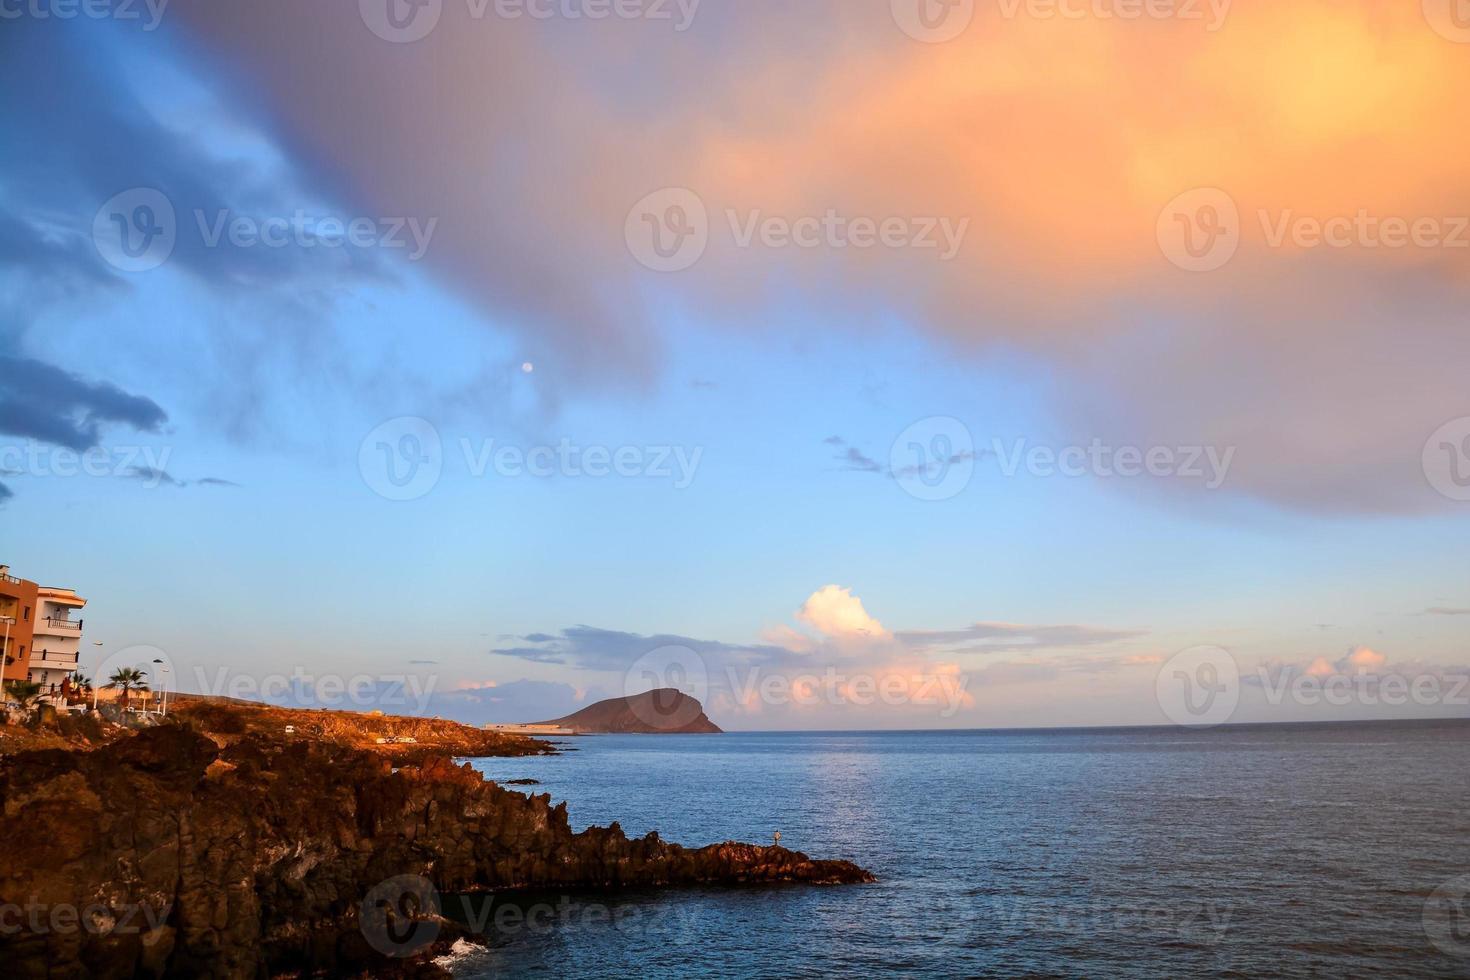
column 1298, row 851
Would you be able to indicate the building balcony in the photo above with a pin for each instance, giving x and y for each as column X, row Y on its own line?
column 52, row 623
column 52, row 660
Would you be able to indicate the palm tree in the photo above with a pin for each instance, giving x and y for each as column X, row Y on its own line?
column 128, row 679
column 24, row 693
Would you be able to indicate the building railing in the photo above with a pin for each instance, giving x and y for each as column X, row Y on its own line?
column 48, row 657
column 70, row 624
column 11, row 579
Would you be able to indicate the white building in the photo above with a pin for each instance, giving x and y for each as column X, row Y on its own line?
column 57, row 641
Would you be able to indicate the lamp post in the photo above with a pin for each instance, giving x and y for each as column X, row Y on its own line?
column 9, row 621
column 97, row 681
column 163, row 698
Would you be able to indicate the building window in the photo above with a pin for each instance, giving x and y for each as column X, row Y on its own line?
column 26, row 616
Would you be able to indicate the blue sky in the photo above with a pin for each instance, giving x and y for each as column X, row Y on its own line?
column 269, row 549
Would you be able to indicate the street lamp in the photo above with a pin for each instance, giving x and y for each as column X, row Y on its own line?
column 97, row 681
column 164, row 698
column 9, row 621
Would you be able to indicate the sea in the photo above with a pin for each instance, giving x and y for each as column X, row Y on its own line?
column 1276, row 850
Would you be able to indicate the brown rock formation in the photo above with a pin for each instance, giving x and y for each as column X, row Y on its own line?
column 164, row 855
column 661, row 712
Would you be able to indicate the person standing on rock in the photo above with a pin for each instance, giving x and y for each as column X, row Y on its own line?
column 778, row 838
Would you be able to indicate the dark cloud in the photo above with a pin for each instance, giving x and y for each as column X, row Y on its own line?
column 42, row 402
column 590, row 648
column 154, row 476
column 151, row 475
column 54, row 190
column 854, row 460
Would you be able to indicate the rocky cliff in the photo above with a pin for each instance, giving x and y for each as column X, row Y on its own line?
column 664, row 711
column 164, row 855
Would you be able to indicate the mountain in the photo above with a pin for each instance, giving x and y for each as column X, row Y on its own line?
column 661, row 712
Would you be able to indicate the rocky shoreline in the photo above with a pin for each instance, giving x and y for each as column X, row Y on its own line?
column 175, row 852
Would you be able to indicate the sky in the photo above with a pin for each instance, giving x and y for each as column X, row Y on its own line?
column 848, row 365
